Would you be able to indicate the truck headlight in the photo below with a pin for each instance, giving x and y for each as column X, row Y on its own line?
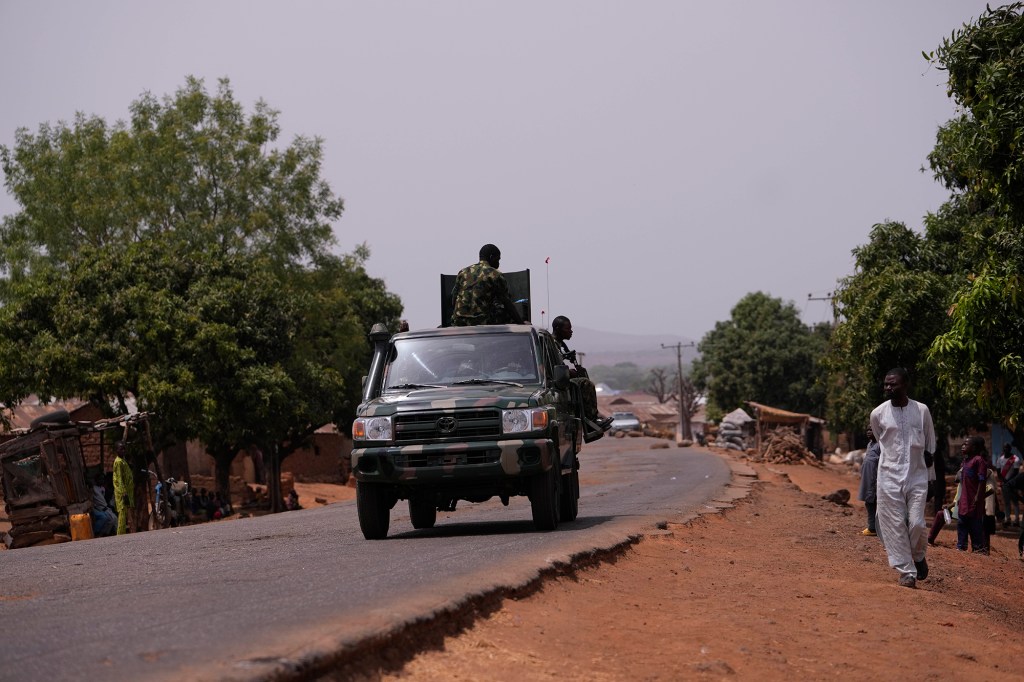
column 520, row 421
column 372, row 428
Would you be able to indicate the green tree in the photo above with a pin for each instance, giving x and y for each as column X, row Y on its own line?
column 762, row 353
column 622, row 376
column 980, row 158
column 889, row 312
column 183, row 260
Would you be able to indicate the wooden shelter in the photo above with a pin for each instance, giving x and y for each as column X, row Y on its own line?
column 809, row 428
column 43, row 474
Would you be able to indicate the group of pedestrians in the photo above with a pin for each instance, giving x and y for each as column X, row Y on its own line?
column 898, row 466
column 211, row 506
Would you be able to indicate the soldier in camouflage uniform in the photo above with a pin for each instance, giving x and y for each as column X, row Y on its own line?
column 481, row 294
column 561, row 329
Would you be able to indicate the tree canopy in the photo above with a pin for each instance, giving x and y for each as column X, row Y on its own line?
column 980, row 158
column 764, row 353
column 947, row 304
column 184, row 260
column 890, row 311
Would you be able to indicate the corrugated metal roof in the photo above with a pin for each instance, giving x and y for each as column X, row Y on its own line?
column 779, row 416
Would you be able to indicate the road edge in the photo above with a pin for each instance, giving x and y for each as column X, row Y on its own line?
column 390, row 650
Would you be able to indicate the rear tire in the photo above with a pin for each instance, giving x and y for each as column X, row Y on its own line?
column 374, row 509
column 545, row 491
column 422, row 513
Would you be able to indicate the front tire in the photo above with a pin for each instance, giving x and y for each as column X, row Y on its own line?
column 422, row 513
column 569, row 508
column 545, row 493
column 374, row 509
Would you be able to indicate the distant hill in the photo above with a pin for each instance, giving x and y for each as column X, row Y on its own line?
column 643, row 350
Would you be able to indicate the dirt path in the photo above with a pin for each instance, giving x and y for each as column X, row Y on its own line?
column 316, row 494
column 783, row 586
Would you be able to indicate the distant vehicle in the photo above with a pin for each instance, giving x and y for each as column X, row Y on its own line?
column 625, row 421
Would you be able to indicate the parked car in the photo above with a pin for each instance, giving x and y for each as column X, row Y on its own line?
column 625, row 421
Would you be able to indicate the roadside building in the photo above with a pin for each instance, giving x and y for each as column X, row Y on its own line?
column 324, row 459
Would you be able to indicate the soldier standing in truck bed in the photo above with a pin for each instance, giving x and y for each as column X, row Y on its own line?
column 481, row 294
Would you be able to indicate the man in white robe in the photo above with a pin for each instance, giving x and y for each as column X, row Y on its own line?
column 907, row 436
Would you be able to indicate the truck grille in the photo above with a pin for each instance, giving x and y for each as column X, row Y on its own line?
column 447, row 425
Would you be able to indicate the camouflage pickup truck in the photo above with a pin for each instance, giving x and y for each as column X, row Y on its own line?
column 466, row 413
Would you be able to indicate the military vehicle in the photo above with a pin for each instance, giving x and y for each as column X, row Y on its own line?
column 466, row 413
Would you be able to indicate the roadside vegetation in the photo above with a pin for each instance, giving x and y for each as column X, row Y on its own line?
column 186, row 261
column 947, row 303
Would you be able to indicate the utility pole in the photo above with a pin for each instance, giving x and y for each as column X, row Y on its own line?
column 829, row 296
column 684, row 414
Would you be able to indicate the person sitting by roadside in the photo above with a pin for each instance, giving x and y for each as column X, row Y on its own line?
column 212, row 507
column 198, row 502
column 219, row 509
column 104, row 519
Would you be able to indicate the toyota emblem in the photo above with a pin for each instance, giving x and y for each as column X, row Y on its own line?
column 447, row 424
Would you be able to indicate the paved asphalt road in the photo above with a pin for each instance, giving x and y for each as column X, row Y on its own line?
column 251, row 598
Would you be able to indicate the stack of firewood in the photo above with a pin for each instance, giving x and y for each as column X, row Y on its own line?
column 41, row 525
column 783, row 446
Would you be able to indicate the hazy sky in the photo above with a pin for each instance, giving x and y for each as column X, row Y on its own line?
column 669, row 157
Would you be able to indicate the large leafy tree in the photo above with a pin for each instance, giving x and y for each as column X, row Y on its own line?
column 763, row 353
column 889, row 312
column 980, row 157
column 947, row 303
column 184, row 260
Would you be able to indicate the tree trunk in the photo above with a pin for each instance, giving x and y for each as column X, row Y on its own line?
column 222, row 472
column 138, row 521
column 142, row 482
column 274, row 484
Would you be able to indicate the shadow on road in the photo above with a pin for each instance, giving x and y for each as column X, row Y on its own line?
column 477, row 528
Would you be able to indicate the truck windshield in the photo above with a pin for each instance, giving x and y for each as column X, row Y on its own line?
column 446, row 360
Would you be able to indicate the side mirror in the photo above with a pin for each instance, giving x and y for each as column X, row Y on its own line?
column 562, row 377
column 362, row 383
